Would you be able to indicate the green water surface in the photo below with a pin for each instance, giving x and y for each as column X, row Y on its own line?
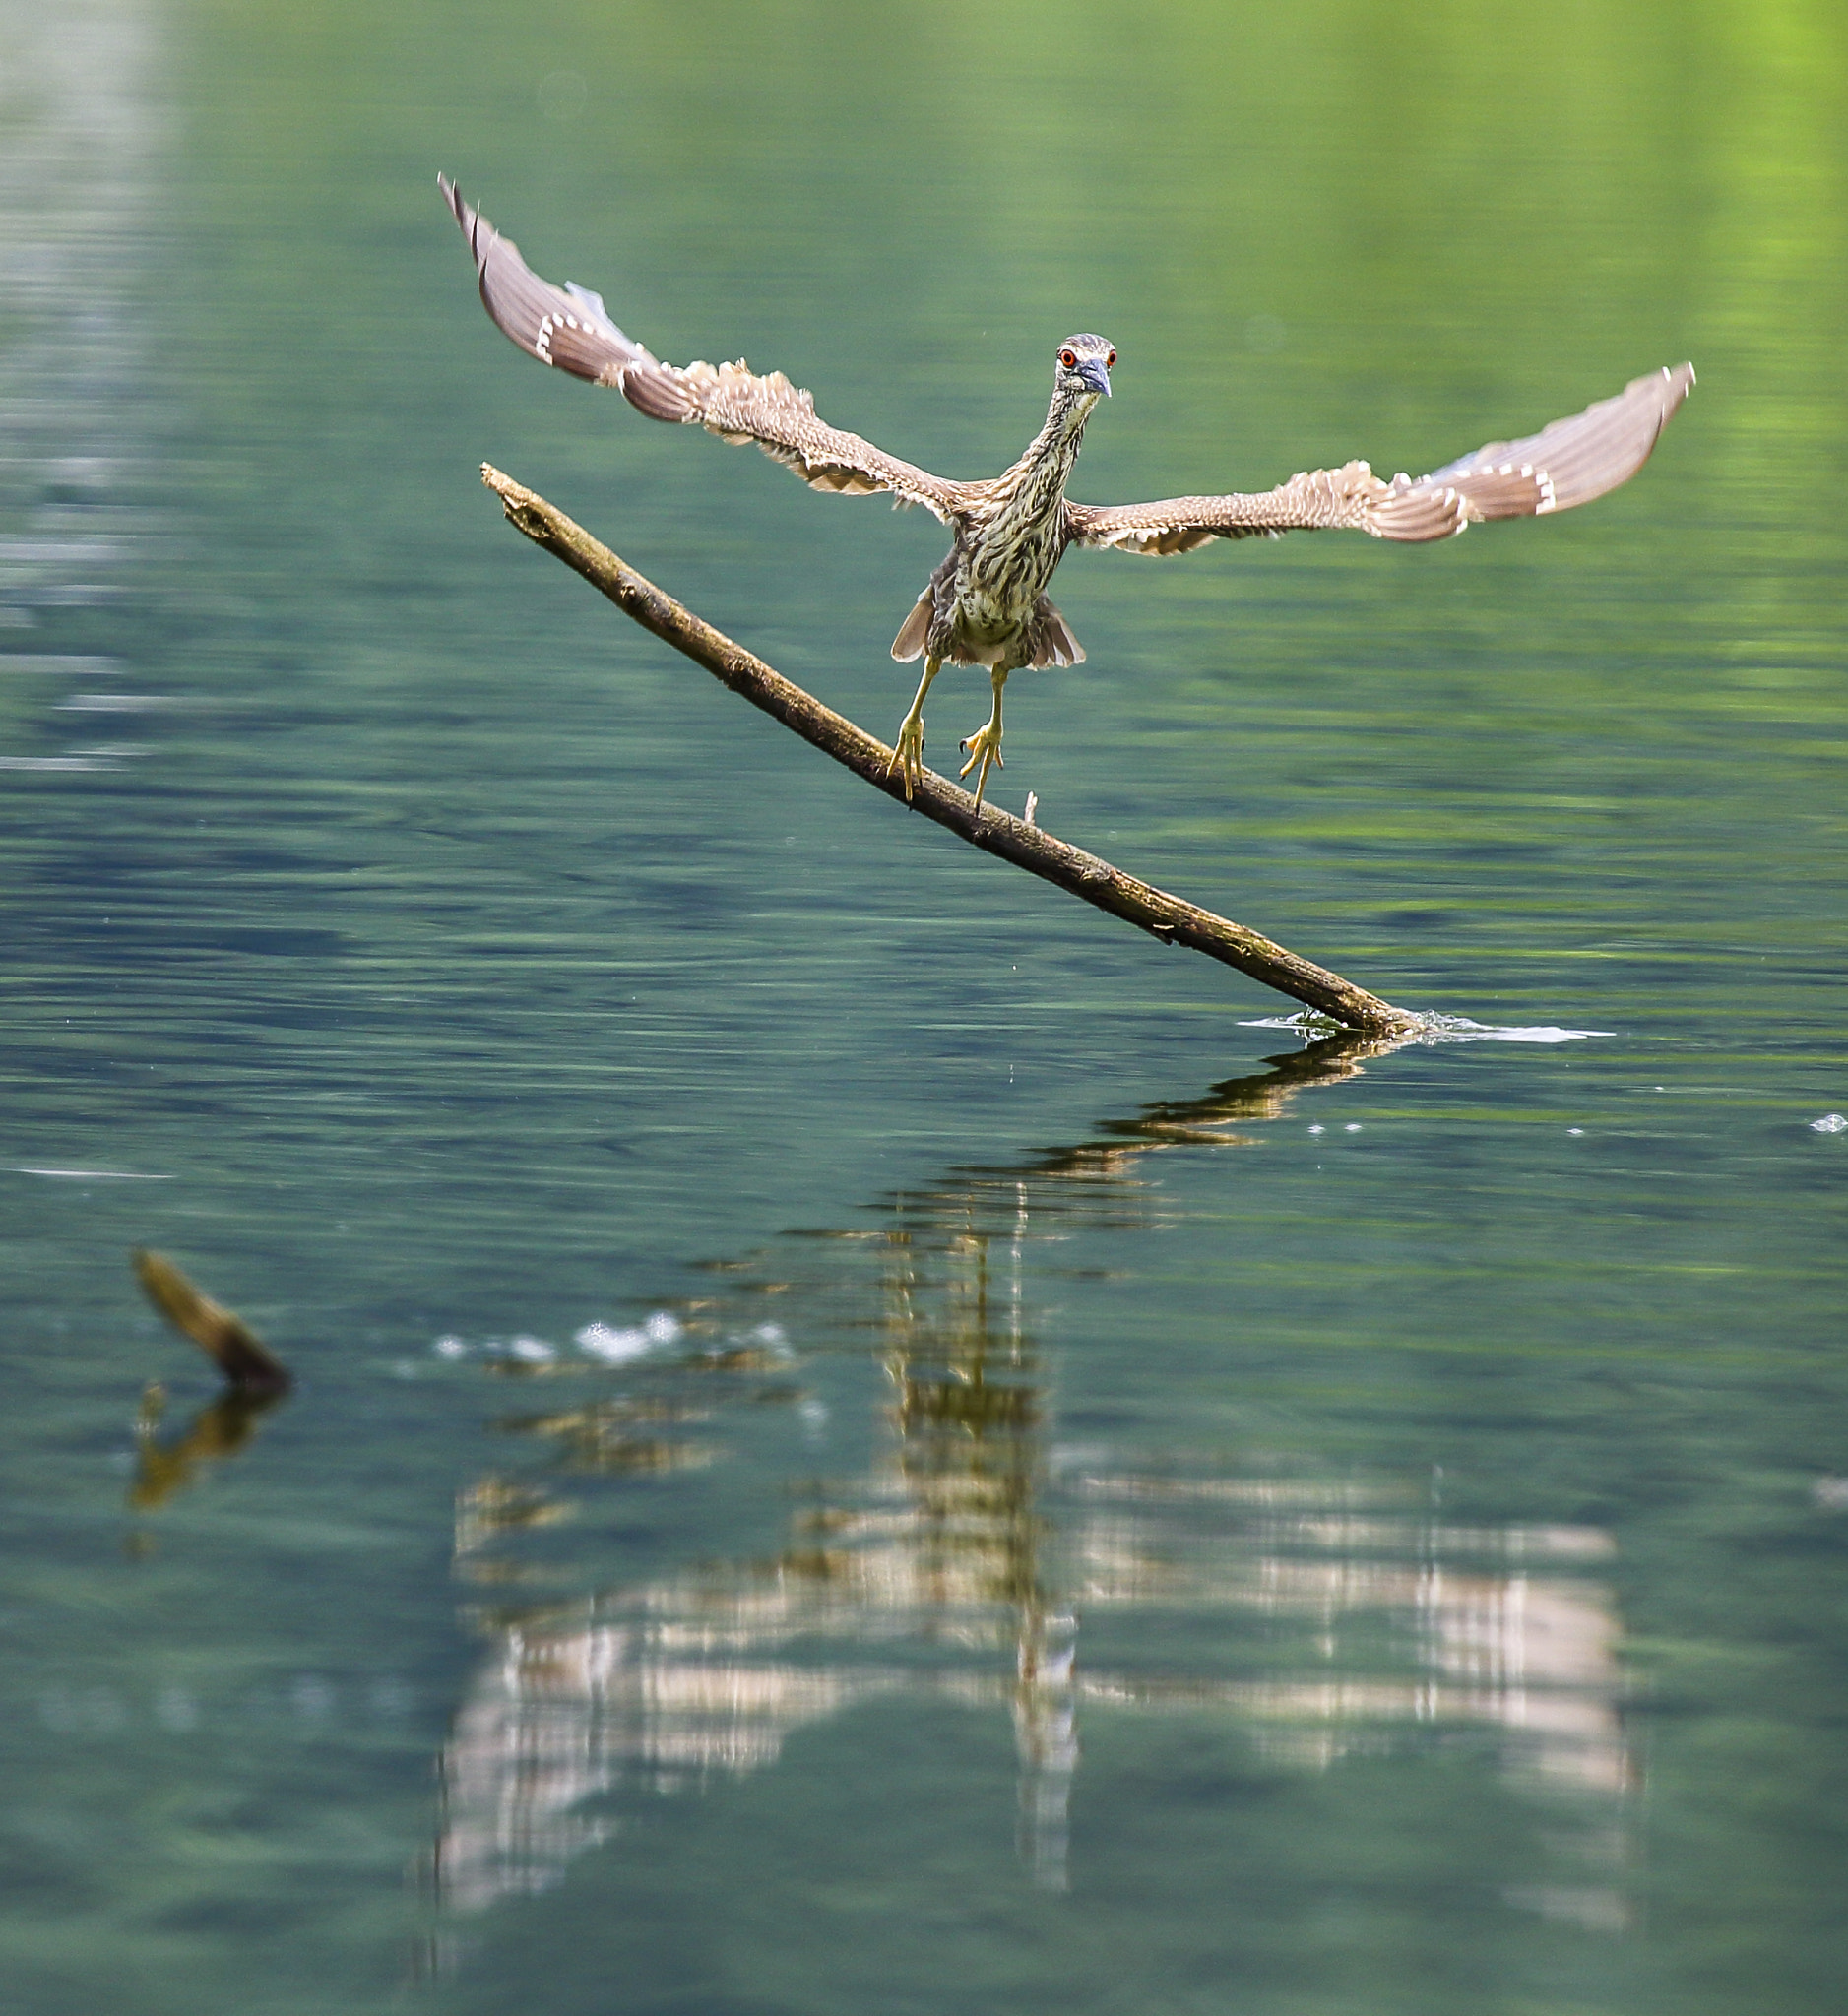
column 865, row 1442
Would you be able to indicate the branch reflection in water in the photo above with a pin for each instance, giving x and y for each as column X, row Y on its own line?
column 220, row 1429
column 961, row 1563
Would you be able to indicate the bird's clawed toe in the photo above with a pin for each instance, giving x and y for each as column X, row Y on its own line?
column 908, row 743
column 984, row 748
column 908, row 754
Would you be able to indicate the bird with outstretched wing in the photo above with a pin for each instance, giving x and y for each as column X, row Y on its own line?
column 987, row 604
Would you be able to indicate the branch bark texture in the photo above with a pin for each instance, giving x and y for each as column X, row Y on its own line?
column 1085, row 875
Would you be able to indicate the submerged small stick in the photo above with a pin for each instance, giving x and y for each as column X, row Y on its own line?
column 1029, row 846
column 251, row 1367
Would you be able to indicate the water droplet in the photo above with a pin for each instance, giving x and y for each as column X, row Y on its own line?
column 614, row 1344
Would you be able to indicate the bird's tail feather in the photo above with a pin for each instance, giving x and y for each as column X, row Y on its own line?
column 1051, row 640
column 909, row 641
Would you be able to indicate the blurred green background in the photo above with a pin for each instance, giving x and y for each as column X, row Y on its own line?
column 1363, row 1533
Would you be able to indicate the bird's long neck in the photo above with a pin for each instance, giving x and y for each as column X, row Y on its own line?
column 1034, row 485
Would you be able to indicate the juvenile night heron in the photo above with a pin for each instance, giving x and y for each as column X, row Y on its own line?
column 986, row 602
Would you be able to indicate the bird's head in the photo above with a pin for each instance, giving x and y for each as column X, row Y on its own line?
column 1084, row 366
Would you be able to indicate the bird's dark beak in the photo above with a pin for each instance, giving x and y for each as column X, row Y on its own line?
column 1092, row 371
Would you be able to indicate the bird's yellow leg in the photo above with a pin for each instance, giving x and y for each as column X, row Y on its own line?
column 908, row 749
column 984, row 746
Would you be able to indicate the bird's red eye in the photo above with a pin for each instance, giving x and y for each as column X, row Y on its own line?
column 1070, row 358
column 1109, row 362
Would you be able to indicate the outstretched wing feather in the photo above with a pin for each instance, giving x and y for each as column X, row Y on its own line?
column 569, row 328
column 1567, row 462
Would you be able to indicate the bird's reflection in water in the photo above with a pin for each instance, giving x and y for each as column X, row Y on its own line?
column 972, row 1558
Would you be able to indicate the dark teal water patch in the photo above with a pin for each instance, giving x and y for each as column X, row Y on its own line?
column 863, row 1439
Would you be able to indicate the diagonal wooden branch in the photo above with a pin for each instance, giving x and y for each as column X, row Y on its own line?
column 997, row 832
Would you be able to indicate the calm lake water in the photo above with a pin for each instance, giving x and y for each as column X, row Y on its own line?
column 867, row 1439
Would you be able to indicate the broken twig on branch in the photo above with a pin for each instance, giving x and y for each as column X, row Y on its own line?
column 1080, row 874
column 248, row 1364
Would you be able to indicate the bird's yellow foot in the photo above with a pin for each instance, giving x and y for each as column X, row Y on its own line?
column 984, row 748
column 908, row 753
